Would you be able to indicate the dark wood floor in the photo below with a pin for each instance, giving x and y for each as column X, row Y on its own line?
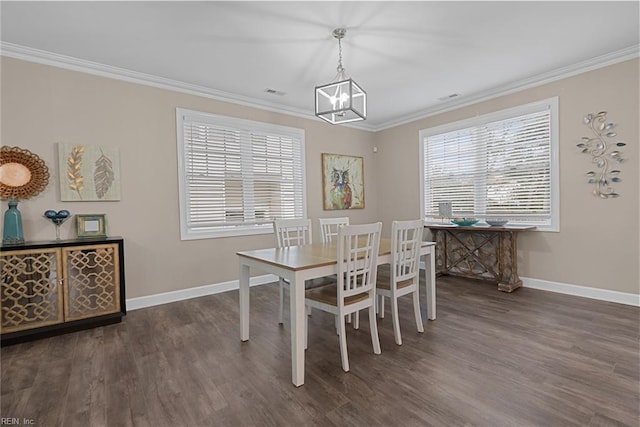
column 530, row 358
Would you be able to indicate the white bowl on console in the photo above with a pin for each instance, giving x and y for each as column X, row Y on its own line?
column 496, row 222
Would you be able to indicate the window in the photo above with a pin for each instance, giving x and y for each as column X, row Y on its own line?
column 236, row 176
column 503, row 164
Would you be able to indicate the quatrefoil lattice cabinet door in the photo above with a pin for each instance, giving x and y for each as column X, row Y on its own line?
column 91, row 284
column 30, row 293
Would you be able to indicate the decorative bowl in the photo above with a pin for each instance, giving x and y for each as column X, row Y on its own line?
column 464, row 222
column 496, row 222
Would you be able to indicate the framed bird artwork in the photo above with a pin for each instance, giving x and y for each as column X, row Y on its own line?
column 342, row 182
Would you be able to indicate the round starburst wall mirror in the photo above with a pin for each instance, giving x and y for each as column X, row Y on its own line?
column 22, row 175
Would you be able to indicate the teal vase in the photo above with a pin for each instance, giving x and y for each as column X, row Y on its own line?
column 12, row 232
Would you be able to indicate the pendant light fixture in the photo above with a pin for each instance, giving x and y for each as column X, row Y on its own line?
column 342, row 101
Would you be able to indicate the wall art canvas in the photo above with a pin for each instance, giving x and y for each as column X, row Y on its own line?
column 88, row 172
column 342, row 182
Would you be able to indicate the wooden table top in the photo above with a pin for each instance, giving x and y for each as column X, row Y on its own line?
column 307, row 256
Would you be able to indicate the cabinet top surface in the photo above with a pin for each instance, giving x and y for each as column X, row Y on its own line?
column 481, row 227
column 59, row 243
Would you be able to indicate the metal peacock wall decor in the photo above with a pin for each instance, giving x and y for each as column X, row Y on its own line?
column 605, row 154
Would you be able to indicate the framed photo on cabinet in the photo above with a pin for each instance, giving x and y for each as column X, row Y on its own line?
column 93, row 225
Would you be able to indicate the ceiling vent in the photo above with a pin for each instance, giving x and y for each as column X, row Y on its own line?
column 274, row 92
column 448, row 97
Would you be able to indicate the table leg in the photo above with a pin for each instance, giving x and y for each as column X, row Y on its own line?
column 508, row 258
column 298, row 314
column 244, row 302
column 430, row 275
column 442, row 263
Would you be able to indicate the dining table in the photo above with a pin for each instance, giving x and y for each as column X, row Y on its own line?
column 300, row 263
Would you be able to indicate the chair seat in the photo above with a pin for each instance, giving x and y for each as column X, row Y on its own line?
column 385, row 284
column 319, row 282
column 329, row 295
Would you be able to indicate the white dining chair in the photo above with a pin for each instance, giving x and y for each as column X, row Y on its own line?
column 293, row 232
column 404, row 274
column 329, row 227
column 329, row 231
column 355, row 289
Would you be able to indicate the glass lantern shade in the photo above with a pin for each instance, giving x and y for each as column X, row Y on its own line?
column 341, row 102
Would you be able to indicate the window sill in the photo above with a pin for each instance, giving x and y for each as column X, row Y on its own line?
column 225, row 232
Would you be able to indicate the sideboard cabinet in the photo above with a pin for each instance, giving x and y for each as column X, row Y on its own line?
column 49, row 288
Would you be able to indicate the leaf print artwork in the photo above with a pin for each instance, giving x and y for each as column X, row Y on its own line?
column 88, row 172
column 103, row 175
column 74, row 170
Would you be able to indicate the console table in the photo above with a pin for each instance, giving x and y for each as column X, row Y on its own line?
column 478, row 252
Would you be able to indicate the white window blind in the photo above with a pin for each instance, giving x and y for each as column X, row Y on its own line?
column 500, row 165
column 237, row 175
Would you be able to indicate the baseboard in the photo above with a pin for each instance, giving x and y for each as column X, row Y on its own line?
column 527, row 282
column 199, row 291
column 582, row 291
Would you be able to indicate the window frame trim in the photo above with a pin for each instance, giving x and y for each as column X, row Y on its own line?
column 187, row 233
column 550, row 103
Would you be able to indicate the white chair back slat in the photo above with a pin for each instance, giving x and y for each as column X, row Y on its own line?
column 292, row 232
column 358, row 247
column 329, row 227
column 406, row 241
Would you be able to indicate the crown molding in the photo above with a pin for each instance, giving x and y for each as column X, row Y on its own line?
column 62, row 61
column 601, row 61
column 24, row 53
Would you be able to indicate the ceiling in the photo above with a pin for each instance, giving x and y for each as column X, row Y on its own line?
column 408, row 56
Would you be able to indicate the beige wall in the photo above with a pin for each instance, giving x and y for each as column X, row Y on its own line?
column 597, row 245
column 42, row 105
